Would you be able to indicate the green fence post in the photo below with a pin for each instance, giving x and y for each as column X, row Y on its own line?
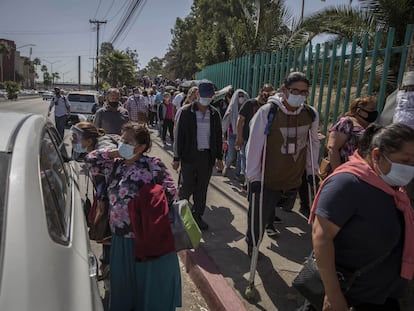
column 277, row 71
column 362, row 61
column 330, row 86
column 288, row 62
column 283, row 70
column 315, row 73
column 322, row 81
column 339, row 82
column 309, row 61
column 272, row 67
column 350, row 73
column 372, row 74
column 407, row 39
column 387, row 58
column 295, row 60
column 302, row 58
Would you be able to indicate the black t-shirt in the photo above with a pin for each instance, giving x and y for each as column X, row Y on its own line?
column 248, row 109
column 370, row 226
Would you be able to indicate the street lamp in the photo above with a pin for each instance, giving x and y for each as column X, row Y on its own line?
column 51, row 66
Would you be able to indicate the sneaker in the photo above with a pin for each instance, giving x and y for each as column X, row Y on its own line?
column 272, row 232
column 200, row 222
column 277, row 220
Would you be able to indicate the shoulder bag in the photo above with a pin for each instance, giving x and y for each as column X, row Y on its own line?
column 309, row 283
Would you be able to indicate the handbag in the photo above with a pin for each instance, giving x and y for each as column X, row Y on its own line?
column 98, row 216
column 309, row 283
column 187, row 234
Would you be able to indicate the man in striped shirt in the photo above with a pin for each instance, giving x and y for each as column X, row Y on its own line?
column 198, row 146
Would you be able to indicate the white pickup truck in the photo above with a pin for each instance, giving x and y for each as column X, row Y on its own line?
column 81, row 104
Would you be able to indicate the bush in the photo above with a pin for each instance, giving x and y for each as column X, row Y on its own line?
column 12, row 89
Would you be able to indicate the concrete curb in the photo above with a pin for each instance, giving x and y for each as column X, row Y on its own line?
column 212, row 285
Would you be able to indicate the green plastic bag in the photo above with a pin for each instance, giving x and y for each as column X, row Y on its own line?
column 187, row 234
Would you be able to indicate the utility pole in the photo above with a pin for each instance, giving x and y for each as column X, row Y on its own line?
column 93, row 69
column 98, row 25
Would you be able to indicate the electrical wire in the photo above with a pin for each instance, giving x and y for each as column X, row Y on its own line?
column 126, row 21
column 123, row 20
column 110, row 7
column 97, row 9
column 127, row 30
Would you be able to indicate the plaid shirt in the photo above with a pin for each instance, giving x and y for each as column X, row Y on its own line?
column 136, row 105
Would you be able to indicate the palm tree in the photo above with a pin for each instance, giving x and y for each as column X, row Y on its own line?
column 116, row 68
column 4, row 50
column 55, row 76
column 372, row 16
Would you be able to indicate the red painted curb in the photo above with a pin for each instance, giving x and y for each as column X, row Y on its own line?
column 214, row 288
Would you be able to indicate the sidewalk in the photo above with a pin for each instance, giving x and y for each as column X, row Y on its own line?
column 220, row 266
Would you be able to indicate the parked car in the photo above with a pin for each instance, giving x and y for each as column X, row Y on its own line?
column 47, row 95
column 46, row 261
column 81, row 104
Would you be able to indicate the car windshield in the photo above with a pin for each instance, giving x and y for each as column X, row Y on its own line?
column 4, row 173
column 84, row 98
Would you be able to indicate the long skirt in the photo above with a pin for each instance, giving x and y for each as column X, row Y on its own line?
column 142, row 286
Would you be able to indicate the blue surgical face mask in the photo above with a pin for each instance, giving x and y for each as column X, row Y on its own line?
column 399, row 174
column 205, row 101
column 126, row 151
column 78, row 148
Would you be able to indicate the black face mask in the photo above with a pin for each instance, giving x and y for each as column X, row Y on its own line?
column 371, row 115
column 114, row 104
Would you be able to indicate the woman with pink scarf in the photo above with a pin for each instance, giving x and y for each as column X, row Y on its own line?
column 361, row 213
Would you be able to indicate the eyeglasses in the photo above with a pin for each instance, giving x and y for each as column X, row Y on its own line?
column 299, row 92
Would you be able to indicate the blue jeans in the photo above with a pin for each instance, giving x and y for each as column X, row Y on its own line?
column 232, row 153
column 242, row 156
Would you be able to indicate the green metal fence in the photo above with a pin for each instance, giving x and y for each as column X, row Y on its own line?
column 338, row 71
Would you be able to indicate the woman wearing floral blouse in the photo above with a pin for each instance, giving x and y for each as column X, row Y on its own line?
column 135, row 285
column 345, row 134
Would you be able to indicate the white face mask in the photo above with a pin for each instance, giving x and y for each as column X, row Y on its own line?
column 295, row 100
column 399, row 175
column 241, row 100
column 205, row 101
column 126, row 151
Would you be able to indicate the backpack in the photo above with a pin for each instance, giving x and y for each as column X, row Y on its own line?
column 273, row 110
column 149, row 215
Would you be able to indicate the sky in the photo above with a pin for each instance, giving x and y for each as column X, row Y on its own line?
column 58, row 31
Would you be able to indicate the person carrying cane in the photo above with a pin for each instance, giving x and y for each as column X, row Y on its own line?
column 278, row 152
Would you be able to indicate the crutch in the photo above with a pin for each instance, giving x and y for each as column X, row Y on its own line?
column 250, row 289
column 312, row 167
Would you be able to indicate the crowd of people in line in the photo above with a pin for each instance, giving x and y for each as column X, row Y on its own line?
column 271, row 143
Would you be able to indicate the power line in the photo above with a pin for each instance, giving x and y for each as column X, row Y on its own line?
column 97, row 9
column 125, row 21
column 139, row 10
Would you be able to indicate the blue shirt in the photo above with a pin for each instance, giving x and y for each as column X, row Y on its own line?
column 61, row 104
column 371, row 226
